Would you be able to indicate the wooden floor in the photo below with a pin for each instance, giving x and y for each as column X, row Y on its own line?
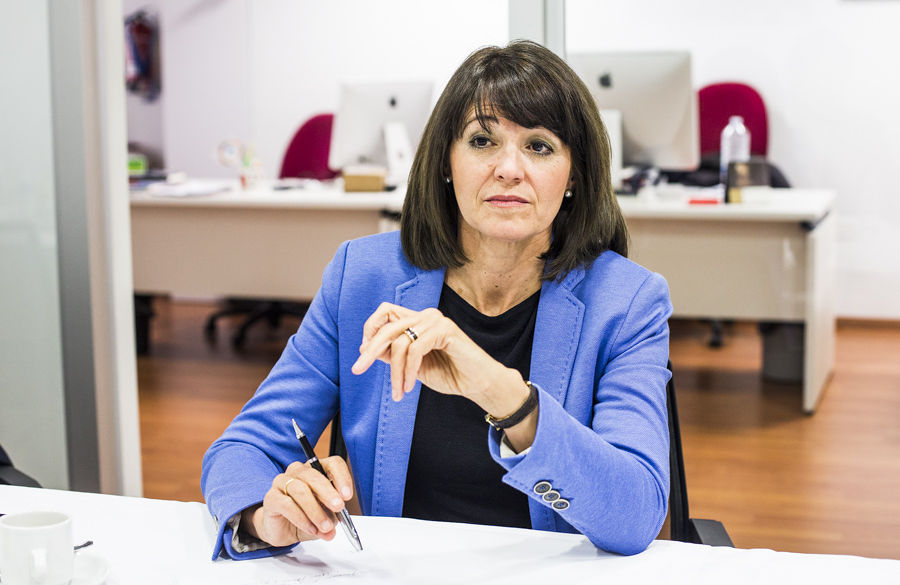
column 826, row 483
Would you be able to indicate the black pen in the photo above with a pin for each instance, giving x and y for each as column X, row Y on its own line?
column 343, row 516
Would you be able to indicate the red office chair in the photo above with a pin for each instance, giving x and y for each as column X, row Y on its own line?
column 307, row 154
column 719, row 101
column 306, row 157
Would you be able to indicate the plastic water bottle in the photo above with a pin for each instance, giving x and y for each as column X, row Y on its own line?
column 735, row 146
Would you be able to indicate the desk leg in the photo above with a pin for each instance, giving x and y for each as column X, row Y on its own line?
column 143, row 312
column 818, row 350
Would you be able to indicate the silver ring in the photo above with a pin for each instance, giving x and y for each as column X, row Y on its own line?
column 411, row 334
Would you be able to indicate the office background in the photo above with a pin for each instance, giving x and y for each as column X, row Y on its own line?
column 826, row 69
column 256, row 70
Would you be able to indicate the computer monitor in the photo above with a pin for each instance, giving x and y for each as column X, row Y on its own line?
column 380, row 124
column 655, row 94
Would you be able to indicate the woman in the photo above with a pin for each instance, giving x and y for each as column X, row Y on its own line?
column 506, row 293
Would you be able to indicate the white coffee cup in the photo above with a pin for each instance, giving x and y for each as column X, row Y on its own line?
column 36, row 548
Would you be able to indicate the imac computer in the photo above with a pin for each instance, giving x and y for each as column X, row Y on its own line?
column 654, row 93
column 380, row 124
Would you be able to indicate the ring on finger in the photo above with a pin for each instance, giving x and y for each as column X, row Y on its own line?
column 411, row 334
column 284, row 488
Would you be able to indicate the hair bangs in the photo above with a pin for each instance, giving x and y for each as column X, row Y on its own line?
column 523, row 97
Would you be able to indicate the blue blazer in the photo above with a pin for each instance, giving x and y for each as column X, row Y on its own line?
column 599, row 361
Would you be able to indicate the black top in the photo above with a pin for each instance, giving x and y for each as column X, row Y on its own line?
column 452, row 476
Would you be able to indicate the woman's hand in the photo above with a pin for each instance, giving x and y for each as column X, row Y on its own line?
column 427, row 346
column 301, row 504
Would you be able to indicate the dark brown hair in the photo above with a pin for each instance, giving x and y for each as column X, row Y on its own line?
column 531, row 86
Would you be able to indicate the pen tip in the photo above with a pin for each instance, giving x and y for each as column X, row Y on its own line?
column 297, row 430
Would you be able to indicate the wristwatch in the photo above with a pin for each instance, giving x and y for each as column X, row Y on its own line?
column 519, row 415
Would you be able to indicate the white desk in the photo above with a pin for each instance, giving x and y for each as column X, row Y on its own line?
column 251, row 243
column 768, row 259
column 163, row 542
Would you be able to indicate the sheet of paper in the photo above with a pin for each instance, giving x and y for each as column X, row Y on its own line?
column 409, row 552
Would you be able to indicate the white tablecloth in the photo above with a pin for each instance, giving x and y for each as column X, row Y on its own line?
column 169, row 543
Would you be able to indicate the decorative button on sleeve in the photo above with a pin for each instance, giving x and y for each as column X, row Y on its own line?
column 545, row 489
column 550, row 496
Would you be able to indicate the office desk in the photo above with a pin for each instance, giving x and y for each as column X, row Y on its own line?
column 164, row 542
column 768, row 259
column 248, row 243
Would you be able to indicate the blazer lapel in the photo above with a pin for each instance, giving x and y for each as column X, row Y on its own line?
column 396, row 420
column 556, row 334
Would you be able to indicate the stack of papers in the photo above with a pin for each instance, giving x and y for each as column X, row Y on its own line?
column 189, row 188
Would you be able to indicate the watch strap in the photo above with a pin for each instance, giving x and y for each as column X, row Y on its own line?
column 519, row 415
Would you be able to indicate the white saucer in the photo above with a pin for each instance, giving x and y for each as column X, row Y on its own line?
column 89, row 569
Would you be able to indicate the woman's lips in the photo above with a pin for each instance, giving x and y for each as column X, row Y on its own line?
column 505, row 200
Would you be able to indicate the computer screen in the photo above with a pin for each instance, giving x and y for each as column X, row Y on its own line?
column 373, row 114
column 655, row 94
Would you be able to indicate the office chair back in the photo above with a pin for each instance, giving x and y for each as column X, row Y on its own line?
column 679, row 510
column 306, row 156
column 9, row 475
column 719, row 101
column 682, row 527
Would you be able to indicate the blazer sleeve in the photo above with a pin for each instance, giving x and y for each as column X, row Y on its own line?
column 614, row 473
column 239, row 466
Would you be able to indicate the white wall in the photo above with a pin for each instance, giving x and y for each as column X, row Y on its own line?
column 256, row 70
column 302, row 50
column 205, row 80
column 828, row 72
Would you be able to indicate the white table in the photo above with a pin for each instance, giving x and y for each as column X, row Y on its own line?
column 770, row 258
column 163, row 542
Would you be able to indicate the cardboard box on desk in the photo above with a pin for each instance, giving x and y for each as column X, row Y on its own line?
column 364, row 178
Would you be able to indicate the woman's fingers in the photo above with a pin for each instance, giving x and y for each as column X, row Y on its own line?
column 414, row 356
column 399, row 347
column 319, row 485
column 305, row 495
column 422, row 345
column 339, row 474
column 376, row 320
column 307, row 501
column 403, row 338
column 381, row 329
column 384, row 314
column 277, row 505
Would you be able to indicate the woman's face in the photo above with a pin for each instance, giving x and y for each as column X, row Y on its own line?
column 509, row 181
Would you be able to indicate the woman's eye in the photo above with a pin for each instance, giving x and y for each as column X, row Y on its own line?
column 540, row 147
column 480, row 141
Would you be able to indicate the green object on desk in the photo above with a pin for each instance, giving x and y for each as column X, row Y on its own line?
column 137, row 164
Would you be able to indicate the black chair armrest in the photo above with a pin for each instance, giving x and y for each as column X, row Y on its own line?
column 711, row 532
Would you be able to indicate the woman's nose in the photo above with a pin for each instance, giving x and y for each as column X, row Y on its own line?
column 509, row 167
